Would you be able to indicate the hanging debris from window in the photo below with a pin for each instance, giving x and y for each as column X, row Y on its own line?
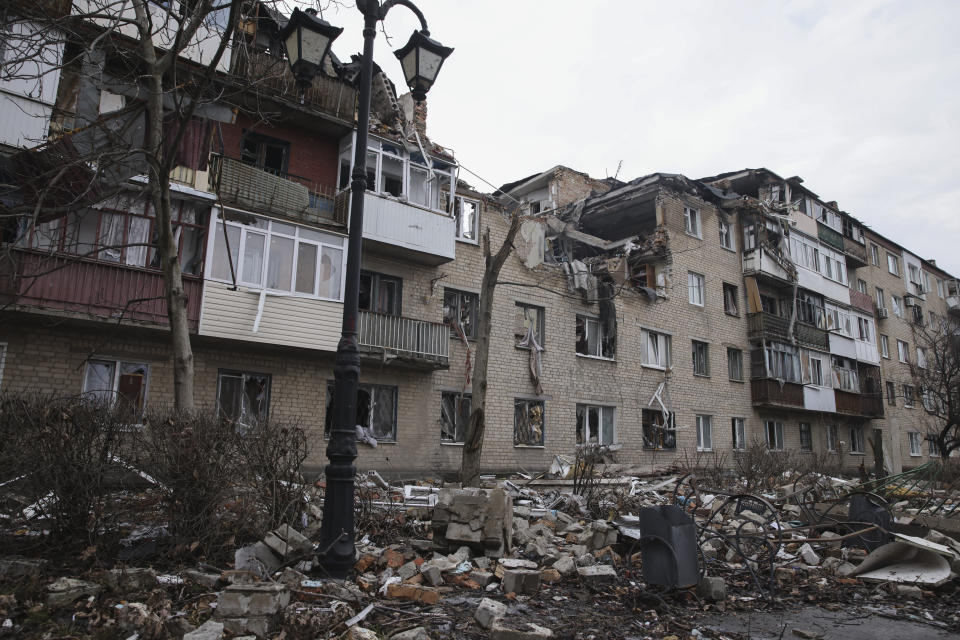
column 528, row 423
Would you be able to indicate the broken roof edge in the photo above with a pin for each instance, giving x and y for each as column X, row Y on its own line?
column 531, row 180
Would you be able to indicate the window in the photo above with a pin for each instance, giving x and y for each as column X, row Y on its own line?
column 810, row 309
column 917, row 315
column 243, row 398
column 701, row 358
column 267, row 254
column 592, row 338
column 659, row 431
column 815, row 370
column 466, row 212
column 916, row 281
column 730, row 299
column 865, row 330
column 455, row 410
column 380, row 293
column 704, row 433
column 726, row 236
column 691, row 222
column 774, row 433
column 749, row 237
column 861, row 285
column 881, row 304
column 376, row 411
column 391, row 171
column 739, row 434
column 940, row 291
column 908, row 395
column 831, row 437
column 595, row 425
column 893, row 264
column 528, row 423
column 915, row 443
column 782, row 361
column 891, row 394
column 695, row 284
column 921, row 357
column 884, row 346
column 932, row 446
column 3, row 361
column 115, row 382
column 655, row 349
column 806, row 437
column 903, row 351
column 768, row 304
column 934, row 321
column 875, row 254
column 460, row 312
column 735, row 364
column 529, row 318
column 856, row 439
column 845, row 376
column 897, row 305
column 263, row 152
column 928, row 400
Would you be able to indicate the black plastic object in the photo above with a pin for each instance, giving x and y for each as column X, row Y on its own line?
column 868, row 509
column 668, row 547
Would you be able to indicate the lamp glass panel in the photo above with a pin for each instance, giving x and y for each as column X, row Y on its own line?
column 293, row 47
column 429, row 65
column 314, row 44
column 409, row 64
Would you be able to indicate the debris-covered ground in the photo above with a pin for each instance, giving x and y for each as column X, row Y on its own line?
column 583, row 552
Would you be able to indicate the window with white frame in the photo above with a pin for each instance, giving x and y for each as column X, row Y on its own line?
column 278, row 256
column 897, row 302
column 814, row 368
column 529, row 319
column 928, row 400
column 695, row 285
column 455, row 410
column 117, row 382
column 881, row 300
column 595, row 425
column 460, row 310
column 806, row 436
column 376, row 411
column 903, row 351
column 908, row 395
column 893, row 264
column 704, row 433
column 726, row 236
column 940, row 291
column 875, row 254
column 856, row 439
column 659, row 429
column 655, row 349
column 773, row 430
column 932, row 446
column 243, row 398
column 592, row 338
column 861, row 285
column 922, row 357
column 730, row 300
column 739, row 433
column 466, row 212
column 701, row 358
column 832, row 439
column 864, row 329
column 735, row 364
column 916, row 446
column 884, row 346
column 782, row 361
column 845, row 376
column 839, row 320
column 691, row 222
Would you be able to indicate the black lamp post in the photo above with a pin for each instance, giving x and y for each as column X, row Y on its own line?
column 421, row 59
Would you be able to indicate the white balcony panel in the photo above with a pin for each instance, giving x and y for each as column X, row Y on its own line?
column 25, row 122
column 813, row 281
column 842, row 345
column 417, row 233
column 285, row 320
column 867, row 352
column 759, row 261
column 819, row 399
column 805, row 223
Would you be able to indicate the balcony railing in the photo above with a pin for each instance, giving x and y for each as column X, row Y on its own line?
column 411, row 339
column 261, row 191
column 770, row 392
column 76, row 285
column 268, row 74
column 859, row 404
column 830, row 236
column 861, row 301
column 856, row 252
column 812, row 336
column 768, row 325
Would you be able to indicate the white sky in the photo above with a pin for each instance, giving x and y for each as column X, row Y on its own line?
column 859, row 98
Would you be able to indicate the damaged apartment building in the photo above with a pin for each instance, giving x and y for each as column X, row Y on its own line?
column 664, row 317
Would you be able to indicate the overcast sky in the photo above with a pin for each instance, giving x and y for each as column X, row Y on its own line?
column 860, row 99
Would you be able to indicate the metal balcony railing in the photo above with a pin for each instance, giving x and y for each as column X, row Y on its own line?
column 855, row 250
column 408, row 337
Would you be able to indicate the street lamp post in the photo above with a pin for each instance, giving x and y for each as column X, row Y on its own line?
column 421, row 59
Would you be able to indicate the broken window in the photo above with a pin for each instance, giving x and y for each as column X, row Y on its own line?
column 814, row 369
column 696, row 284
column 897, row 305
column 592, row 339
column 783, row 361
column 893, row 264
column 117, row 382
column 884, row 346
column 529, row 316
column 701, row 358
column 856, row 439
column 704, row 433
column 659, row 431
column 749, row 237
column 739, row 433
column 730, row 300
column 460, row 312
column 810, row 308
column 768, row 304
column 861, row 285
column 595, row 425
column 915, row 440
column 932, row 446
column 891, row 394
column 263, row 152
column 528, row 422
column 880, row 299
column 875, row 254
column 845, row 376
column 726, row 236
column 243, row 398
column 691, row 221
column 917, row 315
column 773, row 430
column 806, row 436
column 903, row 351
column 734, row 364
column 864, row 329
column 908, row 395
column 655, row 349
column 376, row 411
column 380, row 293
column 466, row 212
column 455, row 410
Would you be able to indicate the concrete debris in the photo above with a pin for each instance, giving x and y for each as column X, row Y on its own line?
column 209, row 630
column 417, row 633
column 489, row 612
column 65, row 591
column 481, row 519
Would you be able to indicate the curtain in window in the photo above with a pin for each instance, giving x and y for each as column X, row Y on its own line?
column 138, row 234
column 280, row 265
column 253, row 258
column 111, row 236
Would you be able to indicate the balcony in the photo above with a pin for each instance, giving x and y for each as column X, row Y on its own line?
column 811, row 336
column 830, row 236
column 773, row 393
column 773, row 327
column 69, row 285
column 861, row 301
column 414, row 342
column 260, row 191
column 269, row 75
column 760, row 262
column 868, row 405
column 856, row 253
column 407, row 231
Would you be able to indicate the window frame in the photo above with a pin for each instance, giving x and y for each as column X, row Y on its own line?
column 652, row 424
column 738, row 428
column 459, row 232
column 774, row 438
column 696, row 282
column 875, row 254
column 856, row 440
column 462, row 297
column 600, row 410
column 806, row 436
column 603, row 340
column 703, row 370
column 738, row 359
column 539, row 331
column 731, row 297
column 832, row 436
column 704, row 426
column 530, row 403
column 880, row 297
column 116, row 374
column 375, row 281
column 893, row 264
column 914, row 438
column 458, row 396
column 372, row 390
column 692, row 222
column 885, row 345
column 663, row 341
column 891, row 393
column 909, row 393
column 262, row 142
column 243, row 375
column 903, row 351
column 727, row 237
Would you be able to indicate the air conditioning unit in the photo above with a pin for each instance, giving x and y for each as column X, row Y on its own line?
column 883, row 313
column 910, row 302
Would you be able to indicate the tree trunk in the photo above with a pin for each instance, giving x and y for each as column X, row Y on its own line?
column 473, row 446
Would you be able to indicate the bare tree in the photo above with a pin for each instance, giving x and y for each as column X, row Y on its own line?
column 936, row 378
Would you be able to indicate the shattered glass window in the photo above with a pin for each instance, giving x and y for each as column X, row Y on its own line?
column 806, row 437
column 739, row 435
column 701, row 358
column 730, row 299
column 376, row 411
column 112, row 381
column 529, row 316
column 856, row 439
column 831, row 437
column 592, row 340
column 595, row 425
column 659, row 431
column 734, row 363
column 460, row 312
column 528, row 423
column 774, row 435
column 243, row 398
column 454, row 416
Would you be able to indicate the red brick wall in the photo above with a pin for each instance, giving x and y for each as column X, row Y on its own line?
column 312, row 155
